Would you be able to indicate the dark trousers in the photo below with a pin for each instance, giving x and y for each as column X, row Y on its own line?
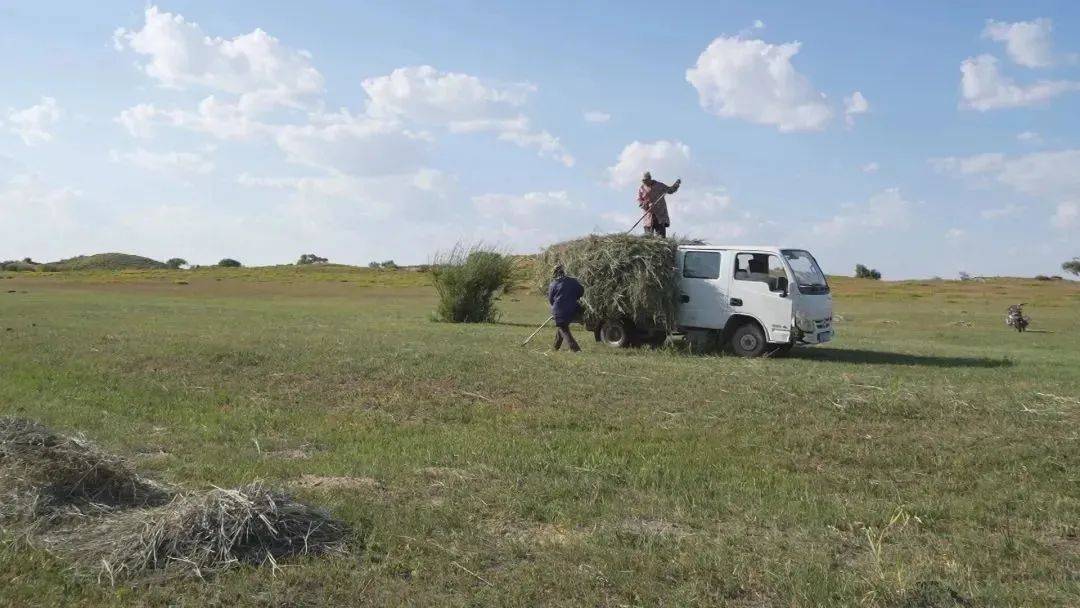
column 562, row 333
column 660, row 231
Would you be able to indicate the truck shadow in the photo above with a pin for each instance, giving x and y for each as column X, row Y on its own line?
column 875, row 357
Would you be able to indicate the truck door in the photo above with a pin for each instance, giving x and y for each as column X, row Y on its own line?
column 755, row 291
column 703, row 300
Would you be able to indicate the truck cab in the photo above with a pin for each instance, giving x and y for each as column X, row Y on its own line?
column 749, row 300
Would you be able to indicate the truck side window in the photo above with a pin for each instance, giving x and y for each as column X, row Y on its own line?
column 760, row 267
column 701, row 265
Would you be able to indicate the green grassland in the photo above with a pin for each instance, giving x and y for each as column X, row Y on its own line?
column 928, row 457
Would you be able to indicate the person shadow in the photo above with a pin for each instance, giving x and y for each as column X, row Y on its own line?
column 877, row 357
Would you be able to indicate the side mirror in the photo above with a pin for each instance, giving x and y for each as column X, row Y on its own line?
column 779, row 284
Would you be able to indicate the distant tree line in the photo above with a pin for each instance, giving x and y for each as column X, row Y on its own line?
column 387, row 265
column 862, row 272
column 311, row 258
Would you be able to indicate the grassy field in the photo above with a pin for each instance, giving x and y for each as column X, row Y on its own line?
column 928, row 457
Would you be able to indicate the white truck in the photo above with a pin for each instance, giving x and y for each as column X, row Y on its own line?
column 749, row 300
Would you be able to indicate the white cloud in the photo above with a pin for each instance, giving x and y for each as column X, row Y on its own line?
column 546, row 144
column 35, row 124
column 597, row 116
column 1026, row 42
column 984, row 87
column 667, row 160
column 886, row 210
column 1067, row 215
column 1029, row 137
column 1001, row 212
column 462, row 103
column 854, row 105
column 955, row 234
column 1051, row 176
column 870, row 167
column 349, row 144
column 425, row 95
column 43, row 217
column 255, row 66
column 165, row 162
column 219, row 119
column 755, row 81
column 526, row 210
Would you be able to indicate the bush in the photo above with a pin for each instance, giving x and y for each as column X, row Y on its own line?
column 862, row 272
column 229, row 263
column 468, row 280
column 1072, row 266
column 964, row 276
column 311, row 258
column 176, row 263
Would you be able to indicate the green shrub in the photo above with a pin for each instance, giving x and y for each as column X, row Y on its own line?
column 468, row 280
column 311, row 258
column 176, row 263
column 1072, row 266
column 229, row 263
column 862, row 272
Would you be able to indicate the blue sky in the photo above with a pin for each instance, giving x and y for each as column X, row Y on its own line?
column 395, row 129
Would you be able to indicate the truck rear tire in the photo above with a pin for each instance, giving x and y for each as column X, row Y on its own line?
column 748, row 340
column 615, row 334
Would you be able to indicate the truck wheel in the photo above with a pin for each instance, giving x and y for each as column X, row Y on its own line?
column 615, row 334
column 748, row 340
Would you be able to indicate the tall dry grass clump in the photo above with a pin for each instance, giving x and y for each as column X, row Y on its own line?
column 625, row 277
column 468, row 281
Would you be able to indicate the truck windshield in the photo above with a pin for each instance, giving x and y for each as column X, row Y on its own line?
column 807, row 273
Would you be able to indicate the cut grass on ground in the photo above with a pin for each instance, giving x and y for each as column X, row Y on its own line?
column 928, row 456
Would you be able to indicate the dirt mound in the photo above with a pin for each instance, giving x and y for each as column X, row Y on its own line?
column 107, row 261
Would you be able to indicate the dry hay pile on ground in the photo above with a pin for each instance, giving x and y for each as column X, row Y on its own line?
column 91, row 507
column 631, row 277
column 46, row 476
column 201, row 533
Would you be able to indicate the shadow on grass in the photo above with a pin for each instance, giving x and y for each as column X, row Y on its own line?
column 876, row 357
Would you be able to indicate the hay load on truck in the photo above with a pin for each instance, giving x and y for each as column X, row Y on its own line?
column 748, row 300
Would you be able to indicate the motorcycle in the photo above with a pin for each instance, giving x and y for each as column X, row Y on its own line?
column 1016, row 319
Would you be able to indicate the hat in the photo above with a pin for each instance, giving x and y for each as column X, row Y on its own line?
column 646, row 177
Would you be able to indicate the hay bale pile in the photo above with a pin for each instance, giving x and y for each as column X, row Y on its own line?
column 91, row 507
column 625, row 277
column 201, row 533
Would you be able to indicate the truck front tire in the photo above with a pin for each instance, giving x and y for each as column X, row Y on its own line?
column 748, row 340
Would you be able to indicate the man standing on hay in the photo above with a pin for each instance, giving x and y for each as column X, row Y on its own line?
column 651, row 199
column 563, row 295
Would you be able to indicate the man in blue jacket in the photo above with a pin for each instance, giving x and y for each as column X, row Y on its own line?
column 563, row 295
